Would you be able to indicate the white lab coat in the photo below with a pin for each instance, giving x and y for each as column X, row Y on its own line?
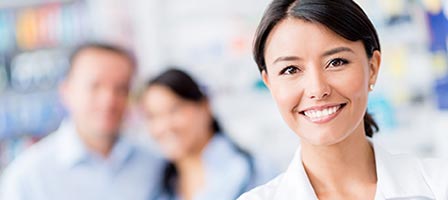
column 399, row 177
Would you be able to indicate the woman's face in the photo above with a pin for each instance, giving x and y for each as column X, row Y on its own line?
column 319, row 80
column 180, row 127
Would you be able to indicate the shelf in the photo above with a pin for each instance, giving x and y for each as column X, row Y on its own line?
column 5, row 4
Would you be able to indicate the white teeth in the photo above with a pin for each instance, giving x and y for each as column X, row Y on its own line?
column 322, row 113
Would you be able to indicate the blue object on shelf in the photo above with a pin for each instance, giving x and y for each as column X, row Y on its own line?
column 382, row 111
column 438, row 24
column 441, row 90
column 259, row 85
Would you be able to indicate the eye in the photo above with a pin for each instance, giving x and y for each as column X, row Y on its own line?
column 122, row 90
column 289, row 70
column 176, row 108
column 337, row 62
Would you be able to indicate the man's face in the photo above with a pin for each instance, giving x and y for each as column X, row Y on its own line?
column 96, row 91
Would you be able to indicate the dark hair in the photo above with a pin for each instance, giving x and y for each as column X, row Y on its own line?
column 183, row 86
column 100, row 46
column 344, row 17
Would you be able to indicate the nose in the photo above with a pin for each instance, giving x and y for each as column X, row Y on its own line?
column 108, row 100
column 318, row 87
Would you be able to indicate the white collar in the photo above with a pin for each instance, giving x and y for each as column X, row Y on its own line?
column 399, row 176
column 295, row 183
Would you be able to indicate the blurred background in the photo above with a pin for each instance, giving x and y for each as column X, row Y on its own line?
column 211, row 39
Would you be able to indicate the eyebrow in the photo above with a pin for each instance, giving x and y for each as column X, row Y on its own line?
column 325, row 54
column 336, row 50
column 286, row 58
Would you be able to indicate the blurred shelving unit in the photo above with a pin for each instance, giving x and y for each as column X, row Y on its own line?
column 36, row 40
column 212, row 40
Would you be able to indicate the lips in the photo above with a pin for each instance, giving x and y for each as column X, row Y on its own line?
column 322, row 114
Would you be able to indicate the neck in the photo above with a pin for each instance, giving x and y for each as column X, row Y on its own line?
column 191, row 176
column 97, row 144
column 192, row 171
column 340, row 168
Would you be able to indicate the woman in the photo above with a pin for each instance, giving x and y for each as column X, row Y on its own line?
column 203, row 162
column 320, row 59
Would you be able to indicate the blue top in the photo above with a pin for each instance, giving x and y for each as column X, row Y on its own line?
column 227, row 172
column 61, row 167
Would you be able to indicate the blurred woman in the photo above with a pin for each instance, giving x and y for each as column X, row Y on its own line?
column 203, row 163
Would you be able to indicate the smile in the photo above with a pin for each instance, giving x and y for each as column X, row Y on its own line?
column 322, row 114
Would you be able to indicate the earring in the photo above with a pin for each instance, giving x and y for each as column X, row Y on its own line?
column 371, row 86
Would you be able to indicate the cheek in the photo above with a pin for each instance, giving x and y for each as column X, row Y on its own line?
column 155, row 131
column 81, row 101
column 353, row 85
column 183, row 127
column 195, row 128
column 287, row 97
column 121, row 104
column 85, row 99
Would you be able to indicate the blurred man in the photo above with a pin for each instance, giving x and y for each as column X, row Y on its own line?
column 86, row 159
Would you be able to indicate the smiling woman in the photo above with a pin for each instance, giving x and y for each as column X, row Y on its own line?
column 320, row 59
column 321, row 92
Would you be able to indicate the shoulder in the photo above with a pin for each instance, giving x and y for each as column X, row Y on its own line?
column 263, row 192
column 143, row 158
column 259, row 168
column 436, row 174
column 38, row 154
column 28, row 166
column 413, row 175
column 142, row 151
column 264, row 170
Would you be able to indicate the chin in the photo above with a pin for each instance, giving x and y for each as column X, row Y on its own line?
column 173, row 157
column 322, row 138
column 108, row 132
column 170, row 152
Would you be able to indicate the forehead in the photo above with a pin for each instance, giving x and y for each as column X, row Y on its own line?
column 297, row 36
column 158, row 93
column 97, row 62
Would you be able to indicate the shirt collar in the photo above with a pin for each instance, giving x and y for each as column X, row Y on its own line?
column 72, row 149
column 223, row 164
column 74, row 152
column 217, row 150
column 398, row 177
column 295, row 183
column 122, row 151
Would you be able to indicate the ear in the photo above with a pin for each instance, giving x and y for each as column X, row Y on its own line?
column 141, row 98
column 374, row 67
column 205, row 105
column 265, row 77
column 63, row 93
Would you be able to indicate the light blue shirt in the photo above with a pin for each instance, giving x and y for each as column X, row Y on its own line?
column 227, row 172
column 61, row 167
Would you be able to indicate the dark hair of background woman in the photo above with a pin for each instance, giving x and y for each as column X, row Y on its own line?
column 186, row 88
column 344, row 17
